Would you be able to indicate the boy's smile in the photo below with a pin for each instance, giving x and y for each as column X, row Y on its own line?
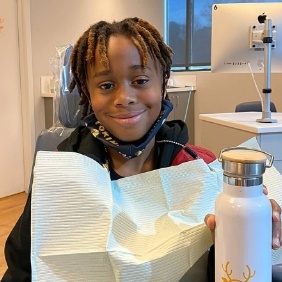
column 126, row 99
column 127, row 118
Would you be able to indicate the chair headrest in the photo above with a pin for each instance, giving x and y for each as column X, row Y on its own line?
column 68, row 109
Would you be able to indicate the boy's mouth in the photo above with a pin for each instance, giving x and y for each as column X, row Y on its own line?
column 128, row 118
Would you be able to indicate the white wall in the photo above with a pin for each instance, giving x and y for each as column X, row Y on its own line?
column 59, row 22
column 11, row 153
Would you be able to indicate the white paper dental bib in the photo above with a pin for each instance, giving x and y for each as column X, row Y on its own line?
column 147, row 227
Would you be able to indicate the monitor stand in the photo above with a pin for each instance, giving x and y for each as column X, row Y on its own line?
column 267, row 40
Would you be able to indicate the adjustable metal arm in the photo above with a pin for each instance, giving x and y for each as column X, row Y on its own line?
column 267, row 40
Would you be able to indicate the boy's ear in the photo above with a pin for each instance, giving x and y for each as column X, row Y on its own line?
column 165, row 78
column 165, row 81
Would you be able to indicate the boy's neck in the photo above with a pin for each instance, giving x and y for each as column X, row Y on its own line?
column 147, row 161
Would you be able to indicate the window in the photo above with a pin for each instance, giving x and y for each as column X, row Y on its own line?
column 188, row 31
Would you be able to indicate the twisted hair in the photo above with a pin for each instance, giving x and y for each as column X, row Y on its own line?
column 144, row 36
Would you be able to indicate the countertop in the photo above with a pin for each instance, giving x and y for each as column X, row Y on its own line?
column 245, row 121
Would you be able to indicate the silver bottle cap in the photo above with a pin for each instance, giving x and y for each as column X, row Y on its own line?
column 244, row 166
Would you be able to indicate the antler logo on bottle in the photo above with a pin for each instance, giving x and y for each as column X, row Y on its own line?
column 229, row 273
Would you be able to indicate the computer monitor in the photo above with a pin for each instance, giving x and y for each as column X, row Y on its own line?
column 236, row 32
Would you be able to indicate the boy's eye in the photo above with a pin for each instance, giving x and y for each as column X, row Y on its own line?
column 141, row 81
column 107, row 86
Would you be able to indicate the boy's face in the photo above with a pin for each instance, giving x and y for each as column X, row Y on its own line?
column 126, row 99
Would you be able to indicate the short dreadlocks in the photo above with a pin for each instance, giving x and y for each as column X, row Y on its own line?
column 144, row 36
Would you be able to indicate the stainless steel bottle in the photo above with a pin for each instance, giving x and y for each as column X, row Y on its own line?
column 243, row 232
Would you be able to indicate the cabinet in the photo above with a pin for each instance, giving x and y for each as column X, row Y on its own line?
column 180, row 99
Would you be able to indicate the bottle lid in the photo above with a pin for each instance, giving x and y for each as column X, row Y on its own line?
column 244, row 162
column 244, row 156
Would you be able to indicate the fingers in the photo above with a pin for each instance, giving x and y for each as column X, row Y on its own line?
column 276, row 222
column 264, row 190
column 210, row 222
column 276, row 225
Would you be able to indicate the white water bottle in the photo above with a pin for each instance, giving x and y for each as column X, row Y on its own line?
column 243, row 233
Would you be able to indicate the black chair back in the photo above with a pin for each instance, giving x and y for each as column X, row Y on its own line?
column 253, row 106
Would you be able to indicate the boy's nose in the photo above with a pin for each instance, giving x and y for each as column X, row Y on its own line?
column 124, row 95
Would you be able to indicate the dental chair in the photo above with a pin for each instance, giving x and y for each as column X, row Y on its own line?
column 67, row 112
column 66, row 108
column 253, row 106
